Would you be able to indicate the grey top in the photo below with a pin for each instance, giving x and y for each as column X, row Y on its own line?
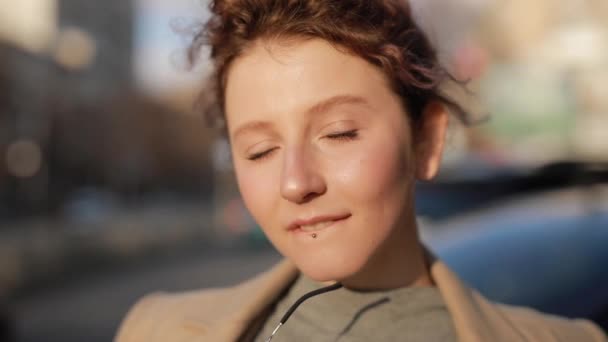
column 406, row 314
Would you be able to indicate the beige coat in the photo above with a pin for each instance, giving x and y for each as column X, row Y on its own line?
column 235, row 313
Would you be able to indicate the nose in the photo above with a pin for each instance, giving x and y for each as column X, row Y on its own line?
column 301, row 178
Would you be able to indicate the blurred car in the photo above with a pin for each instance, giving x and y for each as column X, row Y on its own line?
column 541, row 247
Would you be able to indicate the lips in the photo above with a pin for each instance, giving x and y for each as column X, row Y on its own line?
column 316, row 223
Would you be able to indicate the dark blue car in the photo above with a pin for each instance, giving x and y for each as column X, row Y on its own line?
column 547, row 250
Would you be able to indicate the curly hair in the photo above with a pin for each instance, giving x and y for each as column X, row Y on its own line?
column 382, row 32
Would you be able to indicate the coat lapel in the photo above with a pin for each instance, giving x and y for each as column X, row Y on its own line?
column 240, row 308
column 475, row 318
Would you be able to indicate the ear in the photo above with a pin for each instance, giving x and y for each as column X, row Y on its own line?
column 430, row 139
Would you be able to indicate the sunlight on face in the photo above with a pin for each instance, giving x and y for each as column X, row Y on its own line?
column 321, row 147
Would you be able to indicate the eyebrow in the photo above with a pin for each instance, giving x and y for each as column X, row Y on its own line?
column 326, row 105
column 318, row 108
column 252, row 126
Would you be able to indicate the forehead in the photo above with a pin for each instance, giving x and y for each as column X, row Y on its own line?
column 273, row 80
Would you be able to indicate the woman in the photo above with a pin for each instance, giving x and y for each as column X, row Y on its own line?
column 333, row 110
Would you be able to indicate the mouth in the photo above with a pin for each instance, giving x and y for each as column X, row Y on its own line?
column 317, row 223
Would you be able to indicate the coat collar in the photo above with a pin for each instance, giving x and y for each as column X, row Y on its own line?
column 244, row 307
column 474, row 317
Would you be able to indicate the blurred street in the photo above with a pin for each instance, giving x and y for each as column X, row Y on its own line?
column 90, row 308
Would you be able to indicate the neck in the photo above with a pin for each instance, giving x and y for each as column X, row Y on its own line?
column 400, row 262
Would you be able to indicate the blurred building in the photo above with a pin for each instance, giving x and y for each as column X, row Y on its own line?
column 548, row 82
column 71, row 117
column 105, row 29
column 540, row 69
column 25, row 107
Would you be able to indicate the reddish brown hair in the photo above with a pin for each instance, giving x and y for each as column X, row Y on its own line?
column 380, row 31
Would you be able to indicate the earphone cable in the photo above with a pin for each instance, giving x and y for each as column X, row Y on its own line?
column 295, row 305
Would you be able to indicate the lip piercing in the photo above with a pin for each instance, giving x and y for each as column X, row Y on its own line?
column 314, row 235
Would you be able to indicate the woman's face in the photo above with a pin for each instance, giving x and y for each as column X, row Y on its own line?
column 322, row 152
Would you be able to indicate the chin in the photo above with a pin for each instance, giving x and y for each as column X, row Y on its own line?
column 333, row 267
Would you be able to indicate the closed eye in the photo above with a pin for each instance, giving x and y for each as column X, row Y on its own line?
column 340, row 136
column 261, row 155
column 347, row 135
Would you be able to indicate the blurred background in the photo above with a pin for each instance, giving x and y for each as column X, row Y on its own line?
column 112, row 186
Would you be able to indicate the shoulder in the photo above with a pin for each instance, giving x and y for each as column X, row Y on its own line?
column 217, row 312
column 478, row 319
column 533, row 325
column 159, row 315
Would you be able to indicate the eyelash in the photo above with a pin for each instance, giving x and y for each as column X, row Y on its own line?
column 261, row 155
column 348, row 135
column 341, row 136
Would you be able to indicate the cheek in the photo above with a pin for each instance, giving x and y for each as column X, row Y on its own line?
column 378, row 175
column 257, row 189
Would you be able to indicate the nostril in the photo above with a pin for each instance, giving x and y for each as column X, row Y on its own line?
column 309, row 197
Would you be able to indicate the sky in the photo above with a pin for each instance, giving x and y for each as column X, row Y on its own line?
column 160, row 47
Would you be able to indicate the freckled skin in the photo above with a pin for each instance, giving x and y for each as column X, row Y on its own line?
column 308, row 173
